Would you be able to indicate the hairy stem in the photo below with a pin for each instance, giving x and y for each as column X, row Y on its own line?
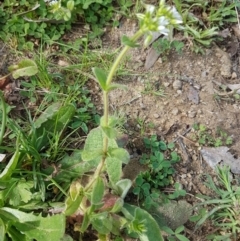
column 111, row 74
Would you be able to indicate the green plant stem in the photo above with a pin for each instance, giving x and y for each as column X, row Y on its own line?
column 111, row 74
column 4, row 117
column 113, row 70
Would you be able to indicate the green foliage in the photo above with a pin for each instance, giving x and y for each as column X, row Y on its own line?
column 48, row 21
column 222, row 209
column 17, row 193
column 163, row 46
column 175, row 235
column 159, row 171
column 204, row 136
column 203, row 18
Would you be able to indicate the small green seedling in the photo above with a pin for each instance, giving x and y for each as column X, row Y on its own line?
column 159, row 171
column 204, row 136
column 222, row 209
column 176, row 235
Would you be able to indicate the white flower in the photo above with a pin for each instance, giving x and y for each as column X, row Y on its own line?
column 53, row 2
column 163, row 30
column 162, row 21
column 150, row 8
column 177, row 17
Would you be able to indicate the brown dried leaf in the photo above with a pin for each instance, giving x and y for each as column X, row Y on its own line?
column 152, row 57
column 4, row 82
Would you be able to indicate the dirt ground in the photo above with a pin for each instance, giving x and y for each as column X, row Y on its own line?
column 192, row 94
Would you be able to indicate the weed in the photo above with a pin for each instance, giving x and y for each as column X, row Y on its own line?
column 153, row 89
column 202, row 20
column 143, row 126
column 223, row 207
column 175, row 235
column 159, row 172
column 164, row 45
column 204, row 136
column 49, row 20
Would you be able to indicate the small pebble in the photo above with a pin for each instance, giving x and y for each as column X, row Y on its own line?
column 159, row 60
column 177, row 85
column 234, row 75
column 183, row 176
column 189, row 175
column 175, row 111
column 179, row 92
column 156, row 116
column 166, row 84
column 192, row 114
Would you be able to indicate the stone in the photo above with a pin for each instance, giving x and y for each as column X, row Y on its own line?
column 192, row 114
column 175, row 111
column 177, row 84
column 234, row 75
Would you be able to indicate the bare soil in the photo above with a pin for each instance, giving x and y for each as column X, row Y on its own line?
column 192, row 94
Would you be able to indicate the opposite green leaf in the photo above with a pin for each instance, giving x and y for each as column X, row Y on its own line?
column 110, row 132
column 123, row 187
column 94, row 145
column 114, row 169
column 98, row 191
column 72, row 167
column 119, row 153
column 101, row 76
column 102, row 223
column 116, row 86
column 128, row 42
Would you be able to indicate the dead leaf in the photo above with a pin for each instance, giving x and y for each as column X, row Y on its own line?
column 213, row 156
column 193, row 95
column 234, row 87
column 152, row 57
column 155, row 36
column 4, row 81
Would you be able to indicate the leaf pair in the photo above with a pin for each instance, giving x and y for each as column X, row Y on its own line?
column 101, row 77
